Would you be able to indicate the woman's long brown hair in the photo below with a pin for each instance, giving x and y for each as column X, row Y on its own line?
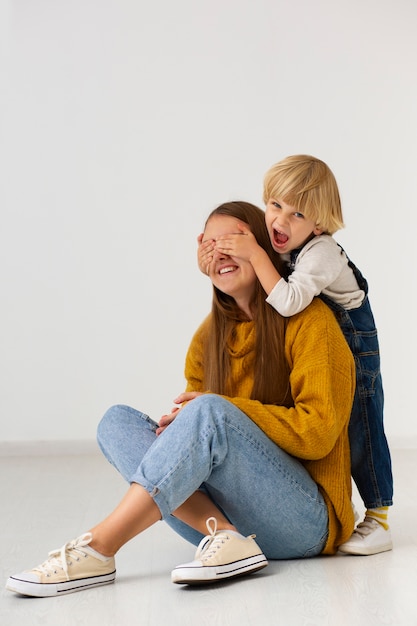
column 271, row 374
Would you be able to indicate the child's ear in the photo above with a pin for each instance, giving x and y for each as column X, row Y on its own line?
column 318, row 231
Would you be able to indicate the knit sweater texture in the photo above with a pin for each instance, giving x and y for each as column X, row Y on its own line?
column 322, row 382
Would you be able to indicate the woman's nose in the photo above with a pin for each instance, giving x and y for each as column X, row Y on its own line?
column 217, row 255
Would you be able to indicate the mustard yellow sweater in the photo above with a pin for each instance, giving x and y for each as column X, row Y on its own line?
column 322, row 381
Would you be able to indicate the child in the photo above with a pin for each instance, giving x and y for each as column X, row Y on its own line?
column 303, row 210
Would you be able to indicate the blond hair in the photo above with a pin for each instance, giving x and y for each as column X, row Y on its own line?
column 308, row 185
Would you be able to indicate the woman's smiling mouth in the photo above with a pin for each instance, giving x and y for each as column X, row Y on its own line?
column 227, row 269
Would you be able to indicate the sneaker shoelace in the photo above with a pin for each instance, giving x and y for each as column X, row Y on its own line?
column 60, row 558
column 210, row 544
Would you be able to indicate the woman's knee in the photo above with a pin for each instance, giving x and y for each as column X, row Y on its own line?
column 210, row 404
column 110, row 422
column 208, row 411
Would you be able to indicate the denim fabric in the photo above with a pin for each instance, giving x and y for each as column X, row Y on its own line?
column 214, row 446
column 370, row 455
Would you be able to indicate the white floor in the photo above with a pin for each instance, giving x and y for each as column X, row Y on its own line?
column 48, row 500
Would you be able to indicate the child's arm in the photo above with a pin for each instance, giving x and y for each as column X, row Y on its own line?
column 318, row 266
column 244, row 246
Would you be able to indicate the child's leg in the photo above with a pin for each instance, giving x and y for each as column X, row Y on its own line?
column 371, row 469
column 370, row 455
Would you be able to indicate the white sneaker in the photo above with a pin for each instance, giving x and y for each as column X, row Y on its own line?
column 369, row 537
column 73, row 567
column 220, row 555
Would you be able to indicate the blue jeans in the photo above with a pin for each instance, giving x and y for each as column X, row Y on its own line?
column 369, row 451
column 370, row 455
column 212, row 445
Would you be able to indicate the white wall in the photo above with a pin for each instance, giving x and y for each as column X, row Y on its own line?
column 125, row 122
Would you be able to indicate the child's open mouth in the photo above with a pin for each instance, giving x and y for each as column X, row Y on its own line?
column 280, row 238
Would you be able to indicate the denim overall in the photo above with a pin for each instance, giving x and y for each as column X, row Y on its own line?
column 370, row 455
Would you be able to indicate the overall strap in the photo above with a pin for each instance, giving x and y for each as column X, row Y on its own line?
column 361, row 280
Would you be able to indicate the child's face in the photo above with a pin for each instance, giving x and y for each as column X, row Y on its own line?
column 288, row 228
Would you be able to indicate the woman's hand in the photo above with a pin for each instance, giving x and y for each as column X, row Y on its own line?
column 167, row 419
column 205, row 253
column 187, row 396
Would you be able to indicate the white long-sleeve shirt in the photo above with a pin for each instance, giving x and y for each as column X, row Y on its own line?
column 321, row 267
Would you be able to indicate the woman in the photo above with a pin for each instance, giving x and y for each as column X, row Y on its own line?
column 259, row 445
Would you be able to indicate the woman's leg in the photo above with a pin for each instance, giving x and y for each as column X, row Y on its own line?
column 125, row 435
column 134, row 514
column 259, row 487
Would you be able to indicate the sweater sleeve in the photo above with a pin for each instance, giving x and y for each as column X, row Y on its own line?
column 317, row 266
column 322, row 386
column 194, row 360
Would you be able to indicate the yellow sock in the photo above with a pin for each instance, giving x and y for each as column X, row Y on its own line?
column 380, row 515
